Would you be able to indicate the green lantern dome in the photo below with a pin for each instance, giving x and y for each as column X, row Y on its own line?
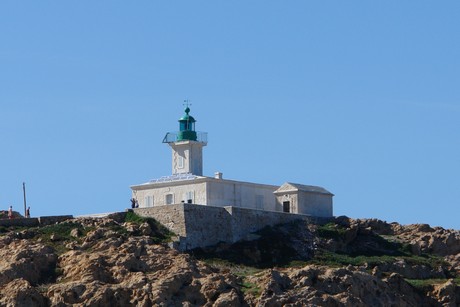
column 187, row 127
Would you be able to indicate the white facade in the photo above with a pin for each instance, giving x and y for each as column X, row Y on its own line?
column 187, row 157
column 205, row 191
column 289, row 198
column 304, row 199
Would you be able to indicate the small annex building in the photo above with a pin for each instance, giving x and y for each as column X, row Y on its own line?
column 304, row 199
column 188, row 185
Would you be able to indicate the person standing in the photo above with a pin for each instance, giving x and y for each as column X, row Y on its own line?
column 28, row 212
column 10, row 212
column 133, row 203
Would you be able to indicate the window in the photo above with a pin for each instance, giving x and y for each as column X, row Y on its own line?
column 190, row 197
column 180, row 162
column 169, row 199
column 259, row 201
column 187, row 126
column 148, row 201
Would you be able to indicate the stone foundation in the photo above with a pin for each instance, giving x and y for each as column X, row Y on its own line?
column 200, row 226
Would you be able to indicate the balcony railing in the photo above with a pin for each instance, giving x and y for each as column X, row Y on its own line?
column 171, row 137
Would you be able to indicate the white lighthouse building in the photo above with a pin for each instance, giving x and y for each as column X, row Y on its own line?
column 187, row 183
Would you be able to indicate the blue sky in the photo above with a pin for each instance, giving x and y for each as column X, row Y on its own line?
column 359, row 97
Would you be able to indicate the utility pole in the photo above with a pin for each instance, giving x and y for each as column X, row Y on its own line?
column 25, row 203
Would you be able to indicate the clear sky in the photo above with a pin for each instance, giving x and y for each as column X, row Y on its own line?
column 360, row 97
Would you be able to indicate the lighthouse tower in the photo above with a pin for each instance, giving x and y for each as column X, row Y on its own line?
column 187, row 146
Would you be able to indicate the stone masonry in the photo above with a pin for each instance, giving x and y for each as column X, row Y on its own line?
column 200, row 226
column 195, row 225
column 35, row 221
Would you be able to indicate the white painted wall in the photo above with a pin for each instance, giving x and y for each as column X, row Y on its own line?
column 241, row 194
column 179, row 193
column 219, row 192
column 208, row 191
column 315, row 204
column 187, row 157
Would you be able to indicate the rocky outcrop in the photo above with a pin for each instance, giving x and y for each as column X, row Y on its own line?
column 421, row 239
column 19, row 292
column 424, row 239
column 23, row 259
column 322, row 286
column 447, row 294
column 105, row 262
column 314, row 285
column 136, row 272
column 108, row 267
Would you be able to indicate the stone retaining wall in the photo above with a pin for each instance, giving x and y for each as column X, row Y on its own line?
column 34, row 222
column 206, row 225
column 195, row 225
column 20, row 222
column 49, row 220
column 245, row 221
column 171, row 216
column 200, row 226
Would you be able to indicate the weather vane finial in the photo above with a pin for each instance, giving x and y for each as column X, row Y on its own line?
column 187, row 103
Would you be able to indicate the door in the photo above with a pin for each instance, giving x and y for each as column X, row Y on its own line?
column 286, row 206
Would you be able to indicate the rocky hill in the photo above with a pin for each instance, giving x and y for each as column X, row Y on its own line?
column 348, row 262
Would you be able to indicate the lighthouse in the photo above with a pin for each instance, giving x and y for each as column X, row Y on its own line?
column 187, row 146
column 187, row 185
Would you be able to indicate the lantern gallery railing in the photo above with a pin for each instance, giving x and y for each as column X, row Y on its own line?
column 171, row 137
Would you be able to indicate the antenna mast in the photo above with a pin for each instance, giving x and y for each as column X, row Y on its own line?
column 25, row 203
